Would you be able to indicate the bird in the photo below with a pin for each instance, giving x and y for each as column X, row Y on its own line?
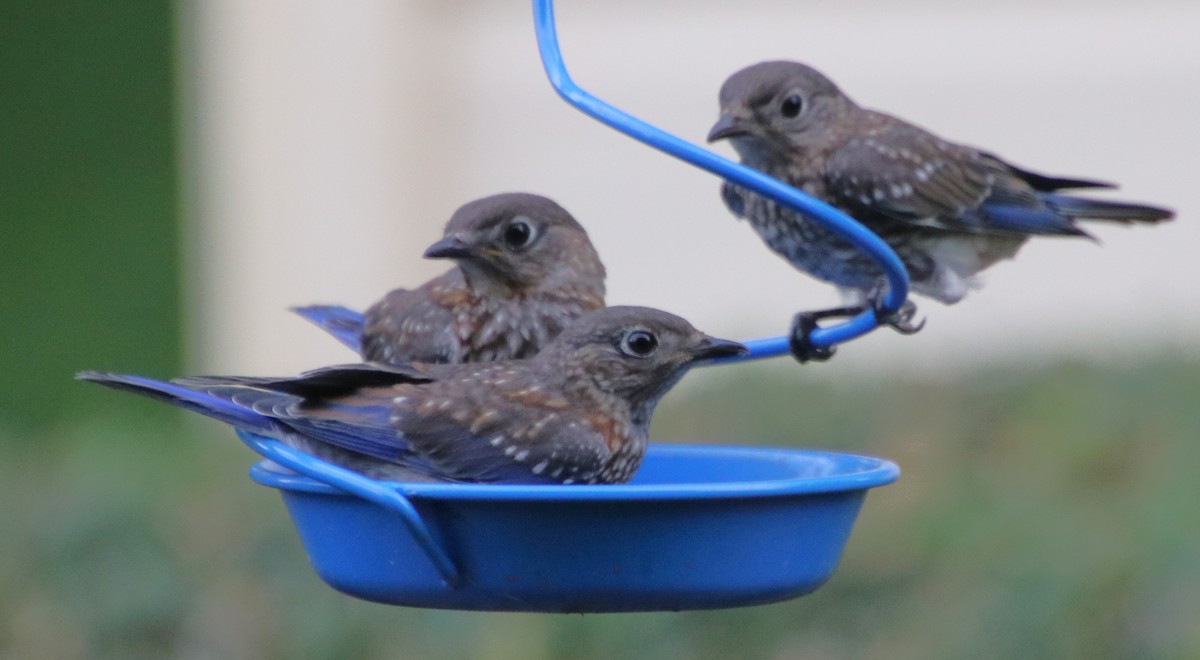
column 578, row 412
column 948, row 210
column 525, row 268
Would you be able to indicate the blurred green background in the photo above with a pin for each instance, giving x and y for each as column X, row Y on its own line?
column 1049, row 510
column 88, row 199
column 1043, row 513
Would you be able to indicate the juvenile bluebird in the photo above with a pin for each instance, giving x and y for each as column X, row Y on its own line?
column 577, row 412
column 948, row 210
column 525, row 269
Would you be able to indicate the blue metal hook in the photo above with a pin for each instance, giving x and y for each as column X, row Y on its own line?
column 836, row 221
column 380, row 492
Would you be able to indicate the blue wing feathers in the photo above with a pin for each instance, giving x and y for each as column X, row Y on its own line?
column 365, row 429
column 1025, row 220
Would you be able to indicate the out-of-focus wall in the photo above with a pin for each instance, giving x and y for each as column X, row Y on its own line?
column 329, row 142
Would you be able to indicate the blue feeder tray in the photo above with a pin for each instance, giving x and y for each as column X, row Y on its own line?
column 699, row 527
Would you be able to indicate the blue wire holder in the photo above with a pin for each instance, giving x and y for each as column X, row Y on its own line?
column 835, row 221
column 388, row 496
column 378, row 492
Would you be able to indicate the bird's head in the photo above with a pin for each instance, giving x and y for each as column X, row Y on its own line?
column 518, row 242
column 634, row 354
column 771, row 109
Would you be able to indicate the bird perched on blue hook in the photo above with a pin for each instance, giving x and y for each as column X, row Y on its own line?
column 525, row 268
column 948, row 210
column 576, row 413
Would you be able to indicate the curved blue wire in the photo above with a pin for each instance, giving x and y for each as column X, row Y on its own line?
column 379, row 492
column 832, row 219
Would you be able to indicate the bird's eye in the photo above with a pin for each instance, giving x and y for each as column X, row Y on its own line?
column 791, row 106
column 639, row 343
column 518, row 235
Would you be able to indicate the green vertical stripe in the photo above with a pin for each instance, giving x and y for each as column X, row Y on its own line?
column 89, row 228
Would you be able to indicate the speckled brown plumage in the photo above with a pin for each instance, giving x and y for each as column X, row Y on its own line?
column 525, row 268
column 577, row 413
column 948, row 210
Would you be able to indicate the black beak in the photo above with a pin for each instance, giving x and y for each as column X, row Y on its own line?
column 714, row 349
column 728, row 126
column 450, row 247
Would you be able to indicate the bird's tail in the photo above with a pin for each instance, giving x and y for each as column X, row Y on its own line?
column 202, row 402
column 1080, row 208
column 346, row 325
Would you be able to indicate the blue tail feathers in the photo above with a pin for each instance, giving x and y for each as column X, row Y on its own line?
column 1059, row 214
column 1100, row 209
column 359, row 423
column 346, row 325
column 197, row 401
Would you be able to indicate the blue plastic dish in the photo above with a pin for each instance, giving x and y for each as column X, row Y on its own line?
column 699, row 527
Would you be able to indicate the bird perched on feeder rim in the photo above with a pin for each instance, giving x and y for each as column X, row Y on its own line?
column 525, row 268
column 576, row 413
column 948, row 210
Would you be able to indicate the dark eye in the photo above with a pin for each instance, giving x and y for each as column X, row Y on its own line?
column 791, row 106
column 639, row 343
column 518, row 235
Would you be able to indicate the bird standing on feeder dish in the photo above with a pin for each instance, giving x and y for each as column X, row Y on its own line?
column 948, row 210
column 577, row 412
column 525, row 269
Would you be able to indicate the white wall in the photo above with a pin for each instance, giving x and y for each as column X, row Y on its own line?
column 329, row 142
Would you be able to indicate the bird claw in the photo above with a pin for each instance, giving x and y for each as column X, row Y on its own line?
column 900, row 320
column 804, row 323
column 800, row 338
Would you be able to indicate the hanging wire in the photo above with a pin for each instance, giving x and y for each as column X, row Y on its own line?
column 832, row 219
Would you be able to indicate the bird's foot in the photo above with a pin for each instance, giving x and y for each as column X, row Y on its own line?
column 800, row 338
column 900, row 320
column 804, row 323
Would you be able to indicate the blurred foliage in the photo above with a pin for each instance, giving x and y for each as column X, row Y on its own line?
column 1047, row 513
column 87, row 198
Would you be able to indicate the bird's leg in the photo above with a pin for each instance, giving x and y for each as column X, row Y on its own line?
column 900, row 320
column 800, row 338
column 804, row 323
